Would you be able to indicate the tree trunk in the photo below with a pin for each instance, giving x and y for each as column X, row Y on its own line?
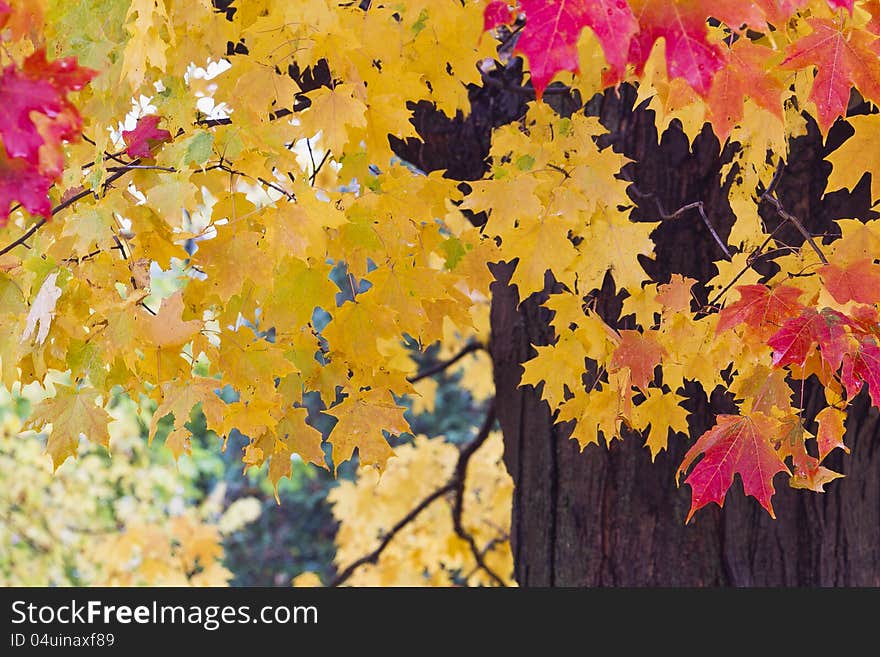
column 611, row 517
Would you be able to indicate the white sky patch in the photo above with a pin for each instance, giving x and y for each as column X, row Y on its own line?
column 139, row 107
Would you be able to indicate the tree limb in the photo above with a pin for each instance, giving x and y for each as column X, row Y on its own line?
column 787, row 216
column 769, row 195
column 373, row 556
column 459, row 478
column 61, row 206
column 696, row 205
column 443, row 365
column 455, row 485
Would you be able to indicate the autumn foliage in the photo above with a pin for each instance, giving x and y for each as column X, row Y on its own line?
column 309, row 261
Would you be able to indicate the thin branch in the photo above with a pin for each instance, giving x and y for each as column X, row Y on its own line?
column 311, row 156
column 288, row 195
column 787, row 216
column 118, row 245
column 696, row 205
column 455, row 485
column 107, row 156
column 442, row 365
column 777, row 176
column 213, row 123
column 373, row 556
column 318, row 169
column 459, row 478
column 756, row 255
column 234, row 172
column 24, row 238
column 559, row 169
column 491, row 545
column 145, row 167
column 147, row 308
column 769, row 195
column 58, row 208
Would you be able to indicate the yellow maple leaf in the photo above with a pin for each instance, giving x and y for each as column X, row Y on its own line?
column 663, row 412
column 361, row 419
column 333, row 113
column 848, row 161
column 167, row 328
column 71, row 411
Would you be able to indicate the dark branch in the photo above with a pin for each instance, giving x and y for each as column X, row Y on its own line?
column 61, row 206
column 443, row 365
column 455, row 485
column 373, row 556
column 769, row 195
column 318, row 169
column 459, row 478
column 144, row 167
column 696, row 205
column 787, row 216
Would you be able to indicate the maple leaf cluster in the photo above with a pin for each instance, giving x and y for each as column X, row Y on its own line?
column 36, row 119
column 719, row 62
column 721, row 70
column 278, row 251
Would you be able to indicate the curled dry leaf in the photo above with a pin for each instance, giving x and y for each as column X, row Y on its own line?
column 42, row 310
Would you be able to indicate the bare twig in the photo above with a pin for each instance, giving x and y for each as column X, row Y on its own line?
column 311, row 154
column 107, row 156
column 777, row 176
column 696, row 205
column 290, row 196
column 318, row 168
column 455, row 485
column 443, row 365
column 144, row 167
column 373, row 556
column 756, row 254
column 769, row 195
column 235, row 172
column 787, row 216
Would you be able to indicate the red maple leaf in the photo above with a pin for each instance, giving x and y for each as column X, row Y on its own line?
column 842, row 4
column 831, row 431
column 496, row 13
column 794, row 341
column 737, row 444
column 21, row 181
column 137, row 140
column 19, row 96
column 807, row 471
column 843, row 58
column 641, row 353
column 628, row 32
column 36, row 118
column 549, row 40
column 682, row 24
column 857, row 281
column 34, row 110
column 744, row 75
column 64, row 74
column 761, row 308
column 861, row 364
